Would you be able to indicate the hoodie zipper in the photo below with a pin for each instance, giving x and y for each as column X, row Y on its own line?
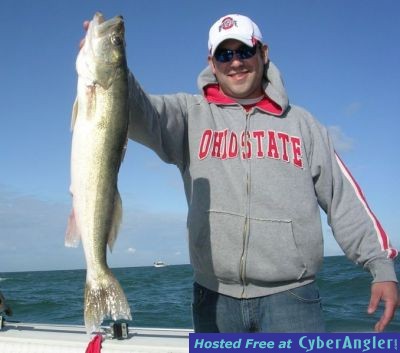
column 246, row 221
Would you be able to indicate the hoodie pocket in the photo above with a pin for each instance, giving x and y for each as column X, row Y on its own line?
column 216, row 244
column 272, row 252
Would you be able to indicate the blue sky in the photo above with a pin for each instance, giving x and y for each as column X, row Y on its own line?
column 339, row 59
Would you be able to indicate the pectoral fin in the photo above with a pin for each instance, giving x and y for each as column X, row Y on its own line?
column 74, row 113
column 72, row 235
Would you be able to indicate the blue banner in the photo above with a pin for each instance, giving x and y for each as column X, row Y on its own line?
column 294, row 342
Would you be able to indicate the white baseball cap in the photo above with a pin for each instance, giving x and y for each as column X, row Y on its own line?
column 233, row 26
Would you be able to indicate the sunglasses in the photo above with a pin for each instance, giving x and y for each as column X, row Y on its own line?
column 244, row 52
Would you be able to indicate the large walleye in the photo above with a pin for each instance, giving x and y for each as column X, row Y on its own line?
column 99, row 124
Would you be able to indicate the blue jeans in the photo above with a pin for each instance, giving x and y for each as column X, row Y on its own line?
column 295, row 310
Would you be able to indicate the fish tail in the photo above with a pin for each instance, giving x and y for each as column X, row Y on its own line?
column 104, row 299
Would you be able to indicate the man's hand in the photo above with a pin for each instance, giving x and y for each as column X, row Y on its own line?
column 387, row 292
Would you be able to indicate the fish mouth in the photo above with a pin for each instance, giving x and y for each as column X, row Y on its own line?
column 103, row 26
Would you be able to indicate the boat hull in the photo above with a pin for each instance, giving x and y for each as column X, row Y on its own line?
column 46, row 338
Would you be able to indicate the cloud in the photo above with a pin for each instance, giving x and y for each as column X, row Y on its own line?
column 33, row 231
column 341, row 142
column 353, row 108
column 147, row 236
column 32, row 234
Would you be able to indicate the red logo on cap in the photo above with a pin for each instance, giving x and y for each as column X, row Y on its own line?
column 227, row 23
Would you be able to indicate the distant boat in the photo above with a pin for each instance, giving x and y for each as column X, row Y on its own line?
column 159, row 264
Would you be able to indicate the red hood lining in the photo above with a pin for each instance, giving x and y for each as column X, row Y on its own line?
column 213, row 95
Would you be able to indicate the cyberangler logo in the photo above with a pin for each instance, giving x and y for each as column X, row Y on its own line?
column 227, row 23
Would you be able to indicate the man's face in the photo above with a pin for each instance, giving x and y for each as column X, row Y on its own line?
column 240, row 78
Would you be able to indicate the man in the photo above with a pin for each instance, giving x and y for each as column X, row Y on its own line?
column 255, row 171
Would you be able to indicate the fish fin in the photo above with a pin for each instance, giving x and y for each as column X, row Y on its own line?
column 124, row 149
column 74, row 113
column 72, row 235
column 104, row 298
column 116, row 221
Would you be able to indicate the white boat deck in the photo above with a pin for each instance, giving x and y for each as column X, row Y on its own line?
column 45, row 338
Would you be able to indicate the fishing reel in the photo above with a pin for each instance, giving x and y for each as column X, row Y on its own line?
column 118, row 330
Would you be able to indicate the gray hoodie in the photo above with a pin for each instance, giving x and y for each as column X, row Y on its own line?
column 254, row 180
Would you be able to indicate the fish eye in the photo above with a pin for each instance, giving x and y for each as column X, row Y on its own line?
column 116, row 39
